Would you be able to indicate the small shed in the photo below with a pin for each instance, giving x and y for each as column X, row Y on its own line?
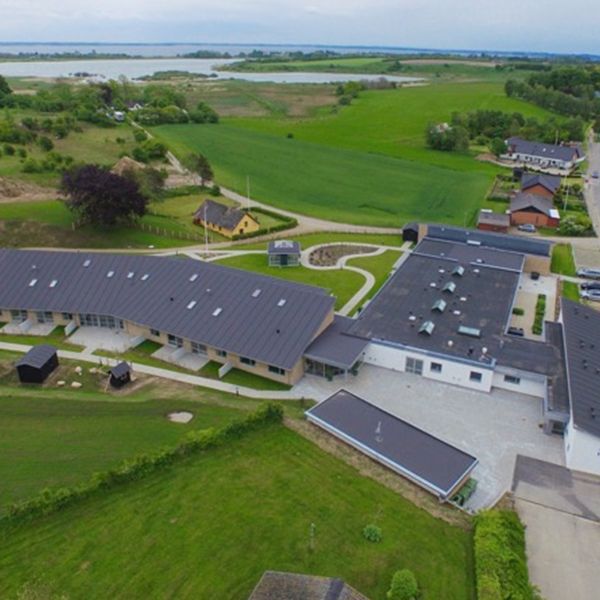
column 37, row 364
column 488, row 220
column 410, row 232
column 120, row 375
column 284, row 253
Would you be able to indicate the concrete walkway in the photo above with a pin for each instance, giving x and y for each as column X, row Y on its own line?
column 87, row 356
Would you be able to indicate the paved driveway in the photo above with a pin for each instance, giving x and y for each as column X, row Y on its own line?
column 493, row 427
column 561, row 511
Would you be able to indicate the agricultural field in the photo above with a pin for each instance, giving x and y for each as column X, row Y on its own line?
column 229, row 505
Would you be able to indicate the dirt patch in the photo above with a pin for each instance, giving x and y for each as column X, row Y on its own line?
column 19, row 191
column 327, row 256
column 182, row 417
column 369, row 468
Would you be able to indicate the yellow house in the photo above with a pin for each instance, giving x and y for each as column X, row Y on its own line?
column 226, row 220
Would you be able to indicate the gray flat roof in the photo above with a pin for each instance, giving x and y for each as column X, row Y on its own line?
column 37, row 356
column 334, row 347
column 481, row 299
column 283, row 247
column 500, row 241
column 428, row 461
column 581, row 326
column 264, row 318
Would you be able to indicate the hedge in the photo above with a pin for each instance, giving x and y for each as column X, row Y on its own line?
column 287, row 223
column 540, row 311
column 49, row 501
column 500, row 560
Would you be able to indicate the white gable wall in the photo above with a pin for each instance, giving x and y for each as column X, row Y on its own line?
column 582, row 450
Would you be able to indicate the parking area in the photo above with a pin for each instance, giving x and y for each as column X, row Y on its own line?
column 103, row 338
column 561, row 511
column 493, row 427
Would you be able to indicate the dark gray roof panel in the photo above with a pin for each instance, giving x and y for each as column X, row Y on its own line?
column 427, row 460
column 284, row 247
column 493, row 218
column 274, row 327
column 500, row 241
column 335, row 347
column 120, row 369
column 550, row 182
column 38, row 356
column 549, row 151
column 523, row 200
column 581, row 326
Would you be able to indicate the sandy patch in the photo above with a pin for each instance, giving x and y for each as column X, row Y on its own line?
column 180, row 417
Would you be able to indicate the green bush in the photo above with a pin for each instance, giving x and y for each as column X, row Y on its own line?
column 500, row 561
column 404, row 586
column 540, row 311
column 372, row 533
column 52, row 500
column 518, row 311
column 287, row 223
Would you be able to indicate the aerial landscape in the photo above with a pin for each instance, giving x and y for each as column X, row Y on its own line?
column 299, row 302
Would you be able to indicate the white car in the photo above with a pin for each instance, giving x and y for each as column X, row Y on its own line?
column 588, row 273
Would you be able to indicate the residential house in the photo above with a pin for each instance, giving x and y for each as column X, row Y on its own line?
column 225, row 220
column 533, row 209
column 543, row 156
column 540, row 184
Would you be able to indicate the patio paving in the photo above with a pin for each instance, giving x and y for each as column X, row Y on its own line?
column 193, row 362
column 102, row 338
column 14, row 328
column 493, row 427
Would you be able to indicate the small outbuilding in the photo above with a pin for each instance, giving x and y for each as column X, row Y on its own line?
column 37, row 364
column 410, row 232
column 120, row 375
column 284, row 253
column 540, row 184
column 488, row 220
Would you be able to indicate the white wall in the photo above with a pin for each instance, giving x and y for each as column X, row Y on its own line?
column 582, row 450
column 530, row 384
column 452, row 372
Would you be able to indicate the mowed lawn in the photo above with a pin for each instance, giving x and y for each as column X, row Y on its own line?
column 338, row 184
column 208, row 528
column 55, row 438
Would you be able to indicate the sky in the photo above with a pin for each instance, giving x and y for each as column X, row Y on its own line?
column 513, row 25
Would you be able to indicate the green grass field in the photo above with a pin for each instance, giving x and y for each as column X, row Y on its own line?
column 56, row 337
column 342, row 284
column 248, row 506
column 562, row 260
column 380, row 266
column 242, row 378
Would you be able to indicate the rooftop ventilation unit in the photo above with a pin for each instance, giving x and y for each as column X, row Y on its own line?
column 479, row 260
column 476, row 271
column 474, row 243
column 256, row 293
column 110, row 274
column 463, row 298
column 439, row 305
column 194, row 277
column 217, row 312
column 87, row 262
column 53, row 283
column 470, row 331
column 441, row 270
column 456, row 312
column 191, row 305
column 433, row 284
column 145, row 276
column 412, row 318
column 427, row 327
column 459, row 270
column 449, row 287
column 282, row 302
column 32, row 282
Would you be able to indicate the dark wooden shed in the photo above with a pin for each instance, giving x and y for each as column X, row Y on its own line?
column 410, row 232
column 37, row 364
column 120, row 375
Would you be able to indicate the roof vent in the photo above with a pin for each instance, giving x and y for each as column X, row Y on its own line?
column 458, row 270
column 282, row 302
column 476, row 270
column 441, row 270
column 217, row 312
column 412, row 318
column 450, row 343
column 256, row 293
column 191, row 305
column 463, row 298
column 32, row 282
column 479, row 260
column 456, row 312
column 110, row 274
column 53, row 283
column 87, row 262
column 194, row 277
column 433, row 284
column 439, row 305
column 130, row 275
column 427, row 327
column 470, row 331
column 449, row 287
column 145, row 276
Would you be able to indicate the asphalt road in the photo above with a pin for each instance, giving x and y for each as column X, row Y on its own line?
column 592, row 188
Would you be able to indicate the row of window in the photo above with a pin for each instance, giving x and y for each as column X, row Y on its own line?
column 415, row 365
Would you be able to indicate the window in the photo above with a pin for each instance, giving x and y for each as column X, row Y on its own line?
column 436, row 367
column 414, row 365
column 276, row 370
column 90, row 320
column 67, row 316
column 155, row 332
column 512, row 379
column 247, row 361
column 174, row 341
column 198, row 348
column 221, row 353
column 475, row 376
column 44, row 317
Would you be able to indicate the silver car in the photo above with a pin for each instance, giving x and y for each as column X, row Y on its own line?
column 592, row 295
column 588, row 273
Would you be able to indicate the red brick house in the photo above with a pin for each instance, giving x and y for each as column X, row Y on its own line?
column 533, row 209
column 540, row 184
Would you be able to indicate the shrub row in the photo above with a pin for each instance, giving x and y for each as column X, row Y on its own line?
column 540, row 311
column 53, row 500
column 500, row 560
column 286, row 223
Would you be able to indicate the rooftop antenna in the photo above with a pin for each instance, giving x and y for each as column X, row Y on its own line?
column 378, row 436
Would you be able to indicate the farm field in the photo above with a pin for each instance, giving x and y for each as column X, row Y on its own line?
column 229, row 506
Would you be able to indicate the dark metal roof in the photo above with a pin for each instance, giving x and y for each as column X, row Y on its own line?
column 120, row 369
column 549, row 151
column 428, row 461
column 274, row 325
column 284, row 247
column 500, row 241
column 276, row 585
column 483, row 298
column 38, row 356
column 581, row 326
column 493, row 218
column 216, row 213
column 550, row 182
column 334, row 347
column 523, row 201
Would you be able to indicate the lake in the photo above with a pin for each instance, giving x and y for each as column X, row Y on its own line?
column 138, row 67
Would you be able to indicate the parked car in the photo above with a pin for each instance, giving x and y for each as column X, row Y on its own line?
column 593, row 295
column 588, row 273
column 527, row 228
column 516, row 331
column 595, row 175
column 590, row 285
